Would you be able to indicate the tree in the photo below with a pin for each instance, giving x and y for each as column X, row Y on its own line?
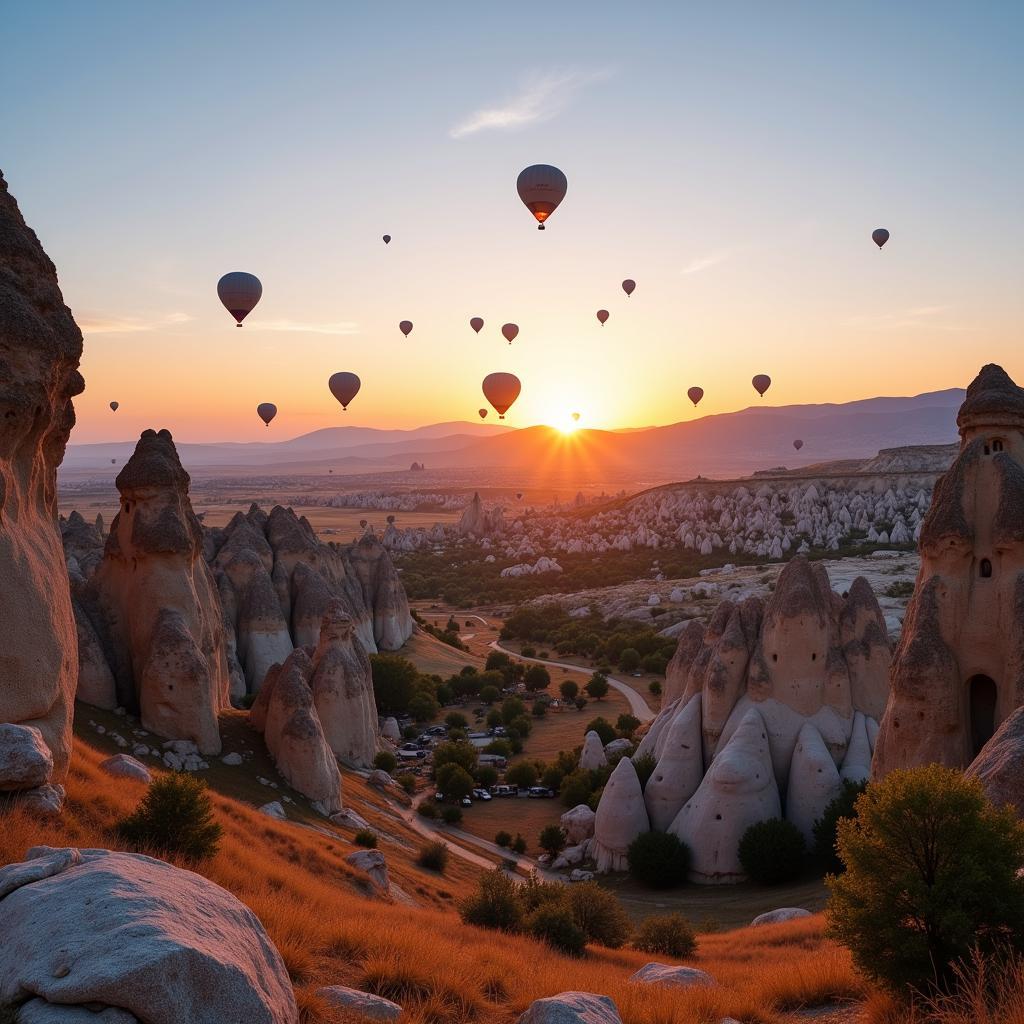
column 603, row 728
column 552, row 840
column 454, row 752
column 451, row 626
column 597, row 687
column 175, row 817
column 539, row 709
column 486, row 776
column 456, row 720
column 931, row 873
column 627, row 725
column 511, row 709
column 599, row 914
column 519, row 844
column 454, row 781
column 826, row 827
column 654, row 688
column 772, row 851
column 385, row 761
column 644, row 767
column 521, row 774
column 667, row 934
column 553, row 923
column 503, row 839
column 568, row 689
column 423, row 707
column 497, row 661
column 581, row 703
column 551, row 778
column 489, row 694
column 495, row 904
column 494, row 718
column 576, row 788
column 629, row 659
column 451, row 815
column 536, row 678
column 394, row 682
column 658, row 859
column 655, row 664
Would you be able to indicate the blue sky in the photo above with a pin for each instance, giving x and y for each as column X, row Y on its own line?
column 732, row 158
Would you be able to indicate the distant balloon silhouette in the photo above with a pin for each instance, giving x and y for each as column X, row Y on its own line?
column 387, row 238
column 405, row 327
column 483, row 413
column 510, row 331
column 113, row 462
column 266, row 411
column 476, row 323
column 541, row 187
column 575, row 417
column 602, row 315
column 344, row 386
column 798, row 444
column 629, row 286
column 879, row 236
column 501, row 390
column 239, row 292
column 330, row 471
column 114, row 405
column 762, row 382
column 695, row 394
column 519, row 495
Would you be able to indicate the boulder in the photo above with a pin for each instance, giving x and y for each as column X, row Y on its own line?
column 1000, row 765
column 671, row 975
column 578, row 824
column 25, row 759
column 45, row 800
column 38, row 1011
column 274, row 809
column 126, row 767
column 97, row 929
column 814, row 781
column 373, row 864
column 621, row 817
column 379, row 779
column 618, row 746
column 40, row 347
column 232, row 760
column 572, row 1008
column 780, row 915
column 593, row 755
column 363, row 1004
column 390, row 730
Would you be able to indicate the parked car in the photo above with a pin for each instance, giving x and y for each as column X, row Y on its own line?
column 505, row 790
column 467, row 802
column 481, row 794
column 540, row 793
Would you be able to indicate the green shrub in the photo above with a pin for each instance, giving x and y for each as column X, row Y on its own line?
column 504, row 839
column 495, row 904
column 394, row 682
column 385, row 761
column 654, row 688
column 522, row 774
column 553, row 923
column 603, row 728
column 931, row 874
column 629, row 659
column 456, row 720
column 423, row 707
column 599, row 914
column 659, row 860
column 459, row 752
column 666, row 935
column 597, row 687
column 434, row 857
column 365, row 837
column 552, row 840
column 627, row 725
column 175, row 817
column 539, row 709
column 454, row 781
column 407, row 781
column 825, row 828
column 773, row 851
column 451, row 815
column 427, row 809
column 568, row 689
column 519, row 844
column 576, row 788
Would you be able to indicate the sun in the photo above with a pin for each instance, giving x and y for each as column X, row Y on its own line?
column 566, row 423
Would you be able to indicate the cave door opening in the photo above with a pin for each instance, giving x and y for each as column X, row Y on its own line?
column 981, row 696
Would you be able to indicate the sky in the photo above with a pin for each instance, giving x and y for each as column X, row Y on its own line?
column 732, row 158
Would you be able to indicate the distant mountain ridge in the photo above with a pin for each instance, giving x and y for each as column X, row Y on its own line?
column 725, row 444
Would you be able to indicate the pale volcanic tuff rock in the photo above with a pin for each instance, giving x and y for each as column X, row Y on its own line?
column 154, row 602
column 769, row 699
column 592, row 756
column 621, row 817
column 40, row 347
column 129, row 938
column 958, row 671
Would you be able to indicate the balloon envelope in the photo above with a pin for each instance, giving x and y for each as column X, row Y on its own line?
column 501, row 390
column 344, row 386
column 879, row 236
column 405, row 327
column 628, row 286
column 510, row 331
column 483, row 413
column 762, row 382
column 541, row 187
column 387, row 238
column 239, row 292
column 602, row 315
column 798, row 444
column 114, row 405
column 575, row 417
column 266, row 411
column 695, row 394
column 476, row 323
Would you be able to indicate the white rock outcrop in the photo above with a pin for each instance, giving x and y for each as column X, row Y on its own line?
column 621, row 817
column 592, row 755
column 572, row 1008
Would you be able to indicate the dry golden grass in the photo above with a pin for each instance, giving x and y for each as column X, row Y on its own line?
column 330, row 931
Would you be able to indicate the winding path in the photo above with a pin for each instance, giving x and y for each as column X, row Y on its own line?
column 638, row 706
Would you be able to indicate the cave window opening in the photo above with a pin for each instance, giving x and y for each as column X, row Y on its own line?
column 981, row 695
column 997, row 444
column 985, row 569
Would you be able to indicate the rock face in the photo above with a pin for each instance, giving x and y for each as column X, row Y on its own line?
column 40, row 346
column 276, row 580
column 93, row 929
column 592, row 755
column 769, row 699
column 477, row 522
column 959, row 668
column 578, row 824
column 153, row 602
column 1000, row 765
column 621, row 817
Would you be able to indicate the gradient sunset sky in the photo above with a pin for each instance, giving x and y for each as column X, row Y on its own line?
column 733, row 158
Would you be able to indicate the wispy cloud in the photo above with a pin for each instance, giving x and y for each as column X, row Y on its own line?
column 711, row 259
column 303, row 327
column 103, row 324
column 543, row 95
column 913, row 318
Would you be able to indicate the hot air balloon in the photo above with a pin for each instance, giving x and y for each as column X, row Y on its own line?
column 476, row 323
column 798, row 444
column 387, row 238
column 113, row 462
column 762, row 382
column 519, row 495
column 405, row 327
column 239, row 292
column 266, row 411
column 344, row 386
column 113, row 406
column 501, row 390
column 602, row 315
column 575, row 417
column 510, row 331
column 879, row 236
column 541, row 188
column 628, row 286
column 483, row 413
column 695, row 394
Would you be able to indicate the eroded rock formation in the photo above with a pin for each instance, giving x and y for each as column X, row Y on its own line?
column 767, row 708
column 40, row 346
